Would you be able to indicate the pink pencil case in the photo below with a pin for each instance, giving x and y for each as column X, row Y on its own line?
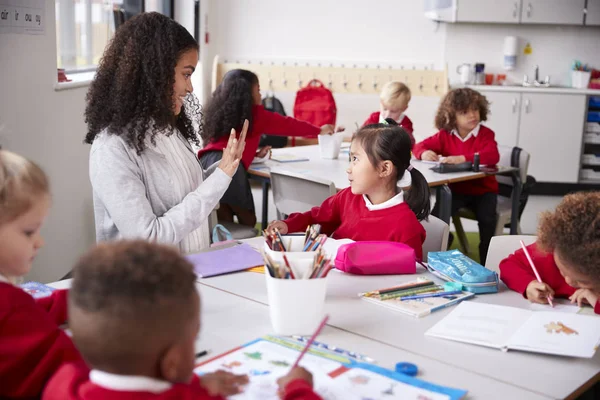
column 376, row 258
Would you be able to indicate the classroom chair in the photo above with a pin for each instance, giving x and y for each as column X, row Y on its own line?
column 509, row 157
column 238, row 231
column 503, row 246
column 295, row 192
column 437, row 235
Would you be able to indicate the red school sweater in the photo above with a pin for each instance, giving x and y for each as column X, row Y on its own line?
column 32, row 346
column 346, row 216
column 406, row 123
column 267, row 122
column 72, row 382
column 517, row 274
column 447, row 144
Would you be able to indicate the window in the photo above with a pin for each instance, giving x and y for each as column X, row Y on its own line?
column 84, row 28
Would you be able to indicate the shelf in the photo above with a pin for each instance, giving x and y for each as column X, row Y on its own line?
column 590, row 181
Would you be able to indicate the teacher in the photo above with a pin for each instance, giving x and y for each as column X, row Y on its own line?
column 147, row 182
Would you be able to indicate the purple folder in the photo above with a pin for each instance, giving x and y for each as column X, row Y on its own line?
column 225, row 259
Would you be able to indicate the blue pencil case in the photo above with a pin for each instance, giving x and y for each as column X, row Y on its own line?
column 454, row 266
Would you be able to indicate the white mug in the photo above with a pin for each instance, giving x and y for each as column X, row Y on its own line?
column 466, row 73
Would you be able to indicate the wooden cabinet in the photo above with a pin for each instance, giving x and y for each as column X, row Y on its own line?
column 551, row 130
column 566, row 12
column 593, row 13
column 503, row 118
column 506, row 11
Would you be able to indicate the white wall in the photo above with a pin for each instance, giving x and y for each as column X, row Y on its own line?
column 554, row 48
column 48, row 127
column 356, row 31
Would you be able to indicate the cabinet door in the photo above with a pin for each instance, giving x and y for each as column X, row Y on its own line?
column 567, row 12
column 551, row 130
column 504, row 11
column 503, row 118
column 593, row 13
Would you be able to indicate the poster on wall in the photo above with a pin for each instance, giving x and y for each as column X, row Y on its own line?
column 23, row 16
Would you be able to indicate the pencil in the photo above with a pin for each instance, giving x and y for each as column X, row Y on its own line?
column 537, row 275
column 287, row 263
column 424, row 296
column 310, row 341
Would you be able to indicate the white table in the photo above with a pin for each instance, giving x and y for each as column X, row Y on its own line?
column 229, row 321
column 551, row 376
column 335, row 171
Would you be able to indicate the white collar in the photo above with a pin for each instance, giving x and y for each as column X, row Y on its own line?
column 129, row 383
column 4, row 279
column 399, row 121
column 473, row 133
column 394, row 201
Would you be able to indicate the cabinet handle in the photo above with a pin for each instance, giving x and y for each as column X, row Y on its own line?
column 515, row 9
column 514, row 105
column 527, row 106
column 529, row 8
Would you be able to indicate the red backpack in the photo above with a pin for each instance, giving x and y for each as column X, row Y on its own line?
column 315, row 104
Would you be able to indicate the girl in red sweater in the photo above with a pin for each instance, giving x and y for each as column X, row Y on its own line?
column 134, row 311
column 32, row 346
column 238, row 98
column 386, row 199
column 461, row 135
column 565, row 254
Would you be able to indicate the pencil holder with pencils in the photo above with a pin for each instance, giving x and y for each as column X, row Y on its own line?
column 295, row 247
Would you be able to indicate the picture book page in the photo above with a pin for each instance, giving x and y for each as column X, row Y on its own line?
column 558, row 333
column 264, row 362
column 483, row 324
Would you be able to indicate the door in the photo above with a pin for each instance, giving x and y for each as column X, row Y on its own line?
column 593, row 13
column 503, row 118
column 505, row 11
column 551, row 130
column 566, row 12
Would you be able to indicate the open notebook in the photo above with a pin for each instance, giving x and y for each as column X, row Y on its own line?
column 510, row 328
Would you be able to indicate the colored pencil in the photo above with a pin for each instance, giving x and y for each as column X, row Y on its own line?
column 310, row 341
column 287, row 263
column 437, row 294
column 403, row 287
column 412, row 292
column 537, row 275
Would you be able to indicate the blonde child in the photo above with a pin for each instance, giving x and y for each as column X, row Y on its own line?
column 135, row 314
column 393, row 101
column 32, row 346
column 386, row 199
column 565, row 254
column 461, row 135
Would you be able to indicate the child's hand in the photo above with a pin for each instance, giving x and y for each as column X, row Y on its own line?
column 429, row 155
column 263, row 152
column 538, row 292
column 327, row 130
column 584, row 295
column 453, row 160
column 223, row 383
column 295, row 374
column 280, row 225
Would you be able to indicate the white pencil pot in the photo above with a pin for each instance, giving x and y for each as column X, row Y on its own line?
column 330, row 145
column 580, row 79
column 296, row 306
column 294, row 245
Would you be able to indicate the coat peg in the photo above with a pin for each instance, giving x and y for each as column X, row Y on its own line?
column 299, row 81
column 421, row 84
column 330, row 82
column 359, row 84
column 284, row 79
column 437, row 84
column 375, row 83
column 345, row 82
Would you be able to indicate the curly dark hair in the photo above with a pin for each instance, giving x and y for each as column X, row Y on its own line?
column 123, row 290
column 460, row 100
column 132, row 92
column 230, row 105
column 573, row 230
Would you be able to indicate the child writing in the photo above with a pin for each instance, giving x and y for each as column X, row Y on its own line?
column 238, row 98
column 386, row 199
column 565, row 254
column 393, row 100
column 461, row 135
column 32, row 346
column 135, row 314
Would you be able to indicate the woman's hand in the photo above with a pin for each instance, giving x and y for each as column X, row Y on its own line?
column 232, row 154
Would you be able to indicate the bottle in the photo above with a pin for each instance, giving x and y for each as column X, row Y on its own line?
column 476, row 162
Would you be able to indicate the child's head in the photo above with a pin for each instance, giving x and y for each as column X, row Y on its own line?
column 24, row 204
column 379, row 158
column 462, row 109
column 231, row 104
column 143, row 80
column 134, row 310
column 572, row 233
column 394, row 99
